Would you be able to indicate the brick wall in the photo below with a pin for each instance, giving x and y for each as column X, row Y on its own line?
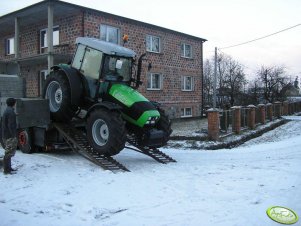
column 169, row 62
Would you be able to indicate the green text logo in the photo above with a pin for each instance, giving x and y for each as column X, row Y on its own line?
column 282, row 215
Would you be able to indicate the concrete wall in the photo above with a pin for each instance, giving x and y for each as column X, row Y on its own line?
column 11, row 86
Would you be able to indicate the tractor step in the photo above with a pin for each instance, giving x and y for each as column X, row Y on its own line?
column 154, row 153
column 79, row 143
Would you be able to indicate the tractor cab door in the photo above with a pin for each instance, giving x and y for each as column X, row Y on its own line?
column 88, row 61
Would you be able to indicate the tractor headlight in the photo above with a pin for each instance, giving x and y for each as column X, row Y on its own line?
column 152, row 120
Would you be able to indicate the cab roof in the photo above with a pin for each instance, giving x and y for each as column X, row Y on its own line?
column 105, row 47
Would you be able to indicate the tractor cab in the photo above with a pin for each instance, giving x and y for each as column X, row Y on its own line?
column 101, row 61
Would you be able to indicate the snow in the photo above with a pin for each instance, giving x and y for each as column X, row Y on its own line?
column 222, row 187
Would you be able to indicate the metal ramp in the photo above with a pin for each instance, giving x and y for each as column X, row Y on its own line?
column 77, row 140
column 79, row 143
column 154, row 153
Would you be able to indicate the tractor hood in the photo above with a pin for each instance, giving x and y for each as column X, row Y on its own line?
column 136, row 108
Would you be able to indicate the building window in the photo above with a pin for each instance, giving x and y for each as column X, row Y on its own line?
column 186, row 112
column 186, row 50
column 187, row 83
column 154, row 81
column 153, row 44
column 43, row 76
column 109, row 34
column 43, row 37
column 10, row 46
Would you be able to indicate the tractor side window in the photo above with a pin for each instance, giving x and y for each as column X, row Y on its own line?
column 91, row 63
column 117, row 69
column 78, row 58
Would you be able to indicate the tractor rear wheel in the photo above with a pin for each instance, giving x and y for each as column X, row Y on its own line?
column 106, row 131
column 57, row 91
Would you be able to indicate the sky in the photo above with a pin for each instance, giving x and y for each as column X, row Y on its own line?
column 222, row 23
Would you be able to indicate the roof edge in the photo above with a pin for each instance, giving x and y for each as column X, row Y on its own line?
column 102, row 12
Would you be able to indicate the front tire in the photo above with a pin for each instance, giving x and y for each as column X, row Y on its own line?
column 164, row 124
column 57, row 91
column 106, row 131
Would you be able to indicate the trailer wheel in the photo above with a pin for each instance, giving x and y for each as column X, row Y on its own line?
column 106, row 131
column 1, row 139
column 25, row 141
column 57, row 91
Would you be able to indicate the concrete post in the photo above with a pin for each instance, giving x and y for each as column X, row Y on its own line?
column 262, row 113
column 50, row 35
column 236, row 126
column 270, row 111
column 213, row 124
column 17, row 38
column 251, row 116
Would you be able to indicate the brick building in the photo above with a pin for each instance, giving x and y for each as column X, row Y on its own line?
column 175, row 78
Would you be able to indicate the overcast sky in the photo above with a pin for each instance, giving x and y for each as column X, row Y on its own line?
column 222, row 23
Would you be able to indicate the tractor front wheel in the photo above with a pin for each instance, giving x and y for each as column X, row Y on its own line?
column 106, row 131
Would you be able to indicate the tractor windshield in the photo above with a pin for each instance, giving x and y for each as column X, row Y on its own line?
column 117, row 68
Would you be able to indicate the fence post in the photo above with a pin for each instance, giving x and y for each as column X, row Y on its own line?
column 236, row 119
column 270, row 111
column 251, row 116
column 277, row 109
column 262, row 113
column 213, row 124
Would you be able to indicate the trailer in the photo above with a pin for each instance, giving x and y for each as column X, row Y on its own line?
column 37, row 133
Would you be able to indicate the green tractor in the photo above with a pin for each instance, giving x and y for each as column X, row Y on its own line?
column 102, row 82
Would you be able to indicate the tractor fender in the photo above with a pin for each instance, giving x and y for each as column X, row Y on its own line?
column 74, row 80
column 106, row 105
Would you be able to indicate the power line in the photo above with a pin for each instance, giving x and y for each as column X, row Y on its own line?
column 243, row 43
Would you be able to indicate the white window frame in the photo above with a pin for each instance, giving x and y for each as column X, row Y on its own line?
column 151, row 49
column 56, row 37
column 107, row 34
column 184, row 54
column 151, row 86
column 185, row 115
column 184, row 80
column 43, row 76
column 10, row 46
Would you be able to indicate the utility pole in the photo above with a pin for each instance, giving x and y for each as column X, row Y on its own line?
column 215, row 76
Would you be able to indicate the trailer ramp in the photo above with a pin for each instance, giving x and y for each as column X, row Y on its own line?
column 154, row 153
column 79, row 143
column 77, row 140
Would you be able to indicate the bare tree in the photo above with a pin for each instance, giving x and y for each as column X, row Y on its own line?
column 234, row 79
column 208, row 82
column 273, row 79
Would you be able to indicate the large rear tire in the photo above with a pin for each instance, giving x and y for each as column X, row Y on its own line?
column 106, row 131
column 57, row 91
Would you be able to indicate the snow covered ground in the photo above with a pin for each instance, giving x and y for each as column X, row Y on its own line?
column 222, row 187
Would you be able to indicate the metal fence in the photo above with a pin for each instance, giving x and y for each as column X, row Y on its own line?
column 226, row 117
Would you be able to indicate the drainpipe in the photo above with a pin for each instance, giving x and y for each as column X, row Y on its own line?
column 50, row 35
